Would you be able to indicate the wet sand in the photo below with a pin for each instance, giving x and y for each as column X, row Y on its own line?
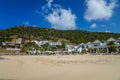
column 66, row 67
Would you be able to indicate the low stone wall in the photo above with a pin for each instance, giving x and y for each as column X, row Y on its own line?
column 13, row 49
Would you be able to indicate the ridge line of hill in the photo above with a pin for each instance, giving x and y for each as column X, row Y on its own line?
column 68, row 36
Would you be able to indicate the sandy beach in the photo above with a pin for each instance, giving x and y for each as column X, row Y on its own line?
column 60, row 67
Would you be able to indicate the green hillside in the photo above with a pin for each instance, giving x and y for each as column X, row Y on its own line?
column 70, row 36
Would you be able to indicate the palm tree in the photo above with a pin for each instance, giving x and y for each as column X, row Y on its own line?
column 111, row 47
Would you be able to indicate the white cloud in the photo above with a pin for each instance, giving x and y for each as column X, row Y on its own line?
column 26, row 23
column 103, row 25
column 49, row 3
column 37, row 11
column 107, row 31
column 48, row 7
column 113, row 24
column 94, row 25
column 99, row 9
column 60, row 18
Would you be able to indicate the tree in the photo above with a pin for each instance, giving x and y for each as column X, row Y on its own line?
column 30, row 46
column 72, row 36
column 45, row 46
column 111, row 47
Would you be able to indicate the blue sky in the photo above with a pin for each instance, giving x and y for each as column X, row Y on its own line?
column 90, row 15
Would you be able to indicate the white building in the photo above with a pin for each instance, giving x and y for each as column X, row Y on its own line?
column 51, row 43
column 40, row 43
column 58, row 43
column 70, row 48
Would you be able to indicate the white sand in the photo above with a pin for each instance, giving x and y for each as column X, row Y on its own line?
column 71, row 67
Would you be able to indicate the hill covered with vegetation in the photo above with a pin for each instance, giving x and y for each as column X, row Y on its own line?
column 69, row 36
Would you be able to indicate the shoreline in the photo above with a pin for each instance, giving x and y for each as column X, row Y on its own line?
column 23, row 53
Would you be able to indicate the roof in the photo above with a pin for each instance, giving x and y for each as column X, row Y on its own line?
column 111, row 40
column 97, row 41
column 69, row 46
column 88, row 43
column 82, row 44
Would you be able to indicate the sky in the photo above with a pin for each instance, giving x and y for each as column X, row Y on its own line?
column 90, row 15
